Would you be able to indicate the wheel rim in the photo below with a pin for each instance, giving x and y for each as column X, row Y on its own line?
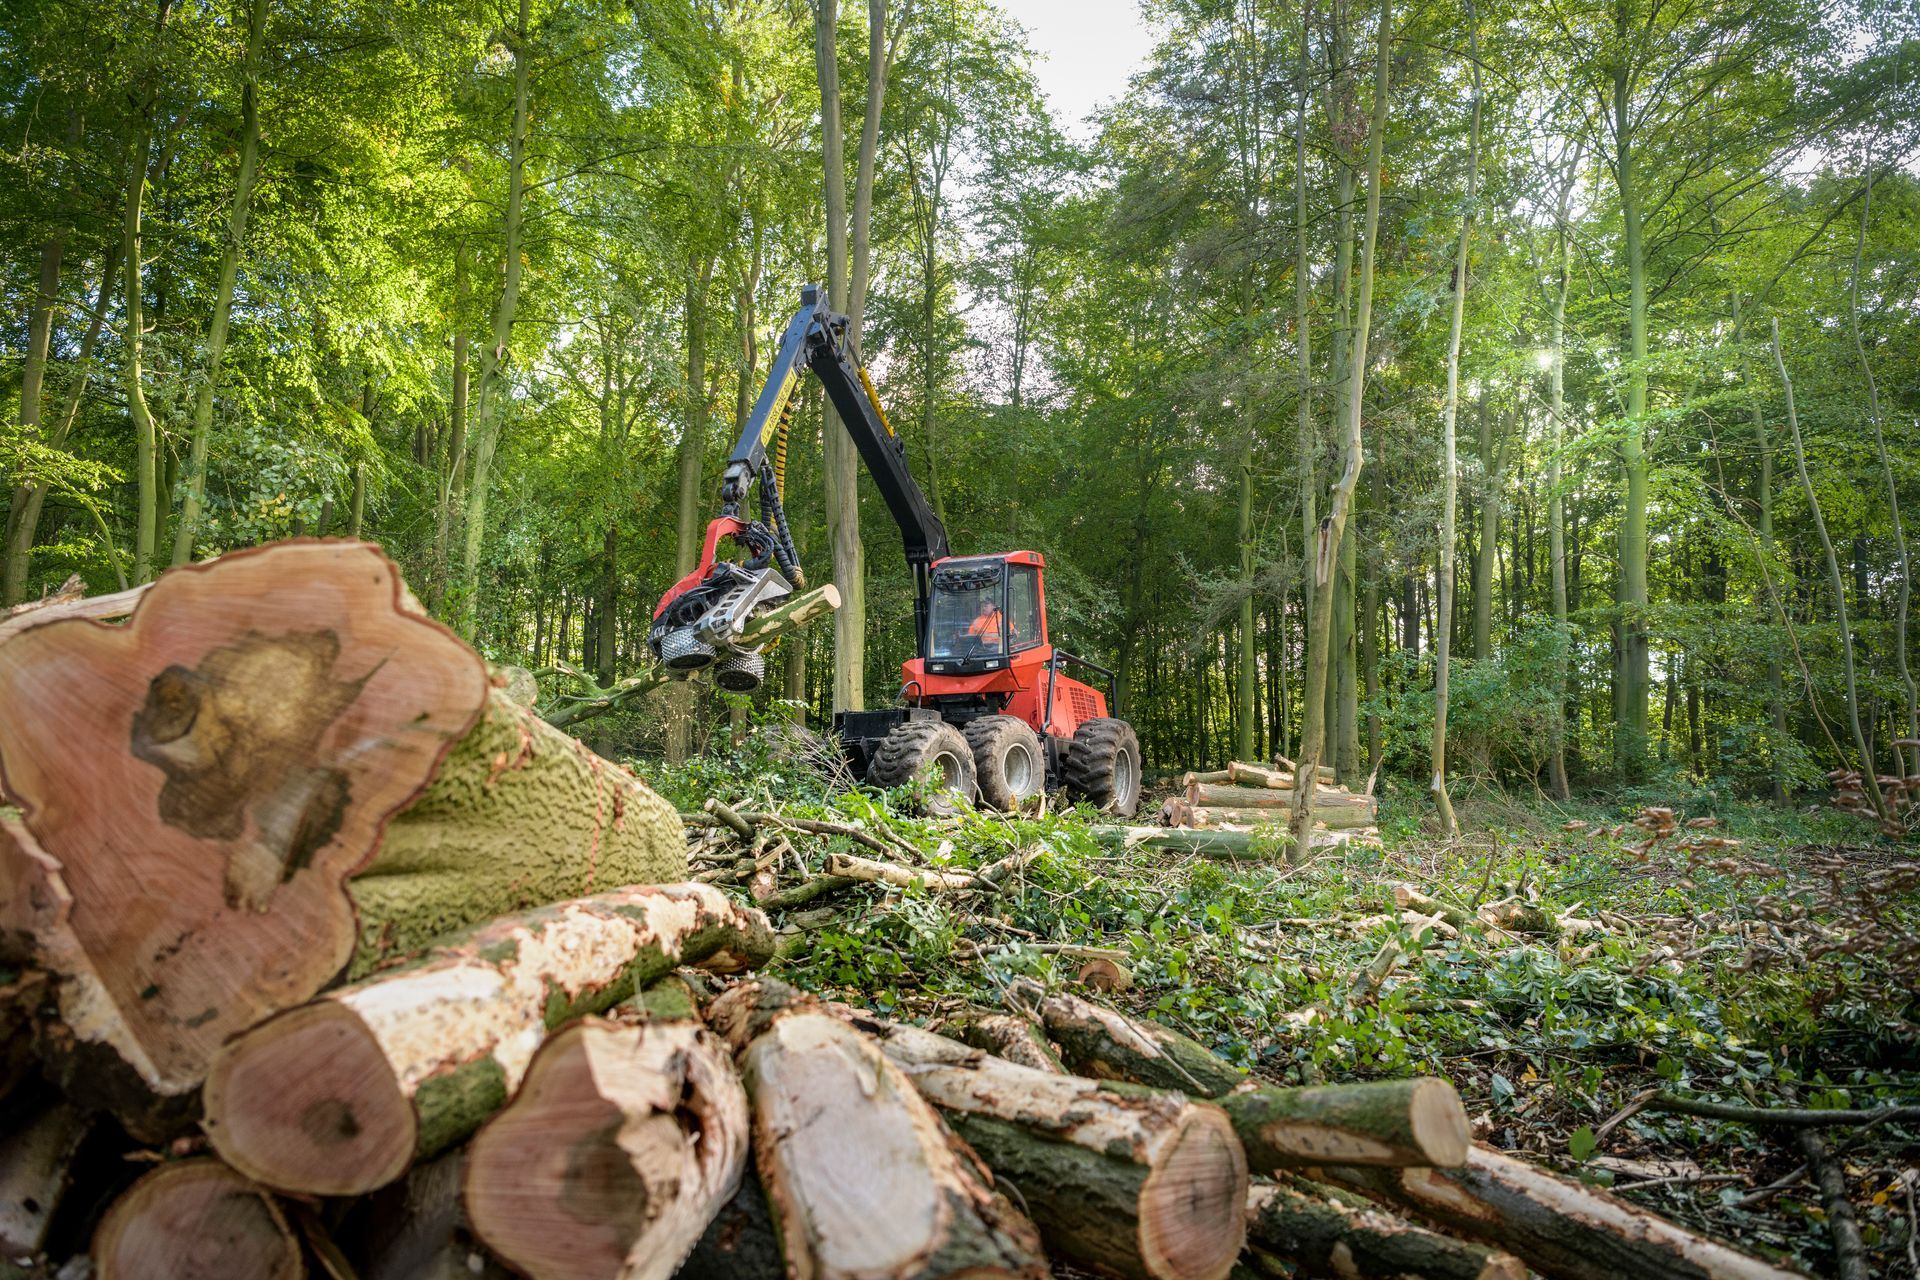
column 944, row 772
column 1124, row 778
column 1018, row 769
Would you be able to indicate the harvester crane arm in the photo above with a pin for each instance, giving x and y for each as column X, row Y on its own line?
column 699, row 615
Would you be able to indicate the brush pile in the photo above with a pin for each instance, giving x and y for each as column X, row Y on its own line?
column 325, row 953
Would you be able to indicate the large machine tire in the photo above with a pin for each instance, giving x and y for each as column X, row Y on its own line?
column 926, row 749
column 1103, row 766
column 1007, row 761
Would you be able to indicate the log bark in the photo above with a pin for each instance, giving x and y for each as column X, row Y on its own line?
column 34, row 1160
column 741, row 1243
column 1099, row 1042
column 1334, row 817
column 1201, row 795
column 1384, row 1122
column 849, row 867
column 1323, row 1233
column 863, row 1178
column 339, row 1096
column 1408, row 898
column 1557, row 1226
column 1005, row 1035
column 622, row 1144
column 1781, row 1117
column 416, row 1229
column 1849, row 1250
column 196, row 1220
column 1124, row 1180
column 280, row 706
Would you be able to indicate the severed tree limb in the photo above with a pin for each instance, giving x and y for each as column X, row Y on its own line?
column 1780, row 1117
column 1006, row 1035
column 850, row 867
column 862, row 1177
column 789, row 615
column 1559, row 1227
column 1381, row 1122
column 1128, row 1181
column 1849, row 1250
column 1100, row 1042
column 1325, row 1233
column 339, row 1096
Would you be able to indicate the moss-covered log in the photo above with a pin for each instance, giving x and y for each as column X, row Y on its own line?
column 196, row 1220
column 1129, row 1181
column 1108, row 1045
column 247, row 740
column 619, row 1148
column 1559, row 1227
column 864, row 1179
column 1384, row 1122
column 519, row 815
column 339, row 1096
column 1322, row 1233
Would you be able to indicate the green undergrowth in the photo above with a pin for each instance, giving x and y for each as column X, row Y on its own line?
column 1691, row 988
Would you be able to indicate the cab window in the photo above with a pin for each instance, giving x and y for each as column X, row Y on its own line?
column 1023, row 606
column 967, row 618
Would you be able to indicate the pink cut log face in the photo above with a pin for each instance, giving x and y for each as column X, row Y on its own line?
column 209, row 774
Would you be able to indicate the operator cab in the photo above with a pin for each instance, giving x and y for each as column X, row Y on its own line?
column 986, row 611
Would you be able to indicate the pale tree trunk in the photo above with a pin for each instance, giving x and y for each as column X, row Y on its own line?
column 1486, row 562
column 1763, row 532
column 1556, row 504
column 146, row 474
column 1449, row 448
column 1303, row 337
column 32, row 377
column 682, row 695
column 1346, row 687
column 1250, row 76
column 1334, row 526
column 1630, row 709
column 489, row 413
column 23, row 514
column 1867, row 772
column 1893, row 493
column 256, row 11
column 454, row 468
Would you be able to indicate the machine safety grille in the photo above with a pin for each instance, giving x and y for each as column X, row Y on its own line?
column 1084, row 707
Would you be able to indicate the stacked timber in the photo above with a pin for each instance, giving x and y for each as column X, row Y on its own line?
column 327, row 954
column 1251, row 796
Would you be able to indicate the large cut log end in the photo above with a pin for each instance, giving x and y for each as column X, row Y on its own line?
column 618, row 1150
column 311, row 1103
column 1193, row 1203
column 196, row 1220
column 243, row 742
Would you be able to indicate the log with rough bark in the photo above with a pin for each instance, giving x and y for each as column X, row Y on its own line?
column 339, row 1096
column 1105, row 1044
column 620, row 1147
column 741, row 1243
column 258, row 725
column 863, row 1177
column 1203, row 796
column 35, row 1155
column 1318, row 1231
column 1408, row 898
column 1005, row 1035
column 1335, row 817
column 1382, row 1122
column 416, row 1229
column 1559, row 1227
column 1124, row 1180
column 196, row 1220
column 849, row 867
column 789, row 615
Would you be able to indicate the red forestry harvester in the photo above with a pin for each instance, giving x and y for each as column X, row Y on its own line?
column 986, row 708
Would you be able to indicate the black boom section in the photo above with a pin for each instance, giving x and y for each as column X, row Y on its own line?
column 816, row 338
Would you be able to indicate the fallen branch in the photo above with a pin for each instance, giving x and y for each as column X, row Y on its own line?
column 1780, row 1117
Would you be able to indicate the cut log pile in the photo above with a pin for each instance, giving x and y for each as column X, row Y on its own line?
column 326, row 956
column 1249, row 797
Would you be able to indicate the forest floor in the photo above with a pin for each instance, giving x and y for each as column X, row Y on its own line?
column 1769, row 959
